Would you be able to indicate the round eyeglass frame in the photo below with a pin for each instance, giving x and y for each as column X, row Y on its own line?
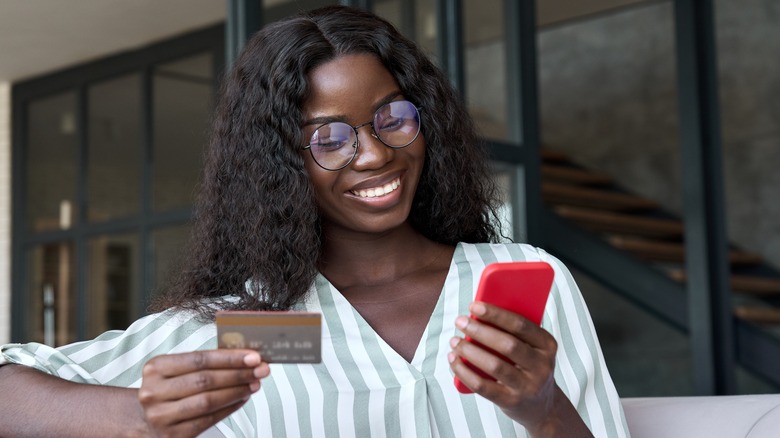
column 356, row 144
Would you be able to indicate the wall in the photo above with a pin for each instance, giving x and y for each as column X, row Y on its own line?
column 609, row 99
column 5, row 212
column 749, row 58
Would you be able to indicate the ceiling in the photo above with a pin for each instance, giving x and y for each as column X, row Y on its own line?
column 41, row 36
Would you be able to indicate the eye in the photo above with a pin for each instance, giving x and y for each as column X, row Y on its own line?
column 392, row 123
column 329, row 145
column 331, row 136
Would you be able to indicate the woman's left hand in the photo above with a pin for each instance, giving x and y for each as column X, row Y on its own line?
column 525, row 389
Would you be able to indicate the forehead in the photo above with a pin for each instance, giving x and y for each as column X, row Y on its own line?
column 348, row 85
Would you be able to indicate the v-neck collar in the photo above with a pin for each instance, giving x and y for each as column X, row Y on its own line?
column 326, row 292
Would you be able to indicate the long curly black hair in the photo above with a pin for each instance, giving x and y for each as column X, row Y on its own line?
column 257, row 233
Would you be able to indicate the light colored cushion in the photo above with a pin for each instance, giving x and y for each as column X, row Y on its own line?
column 753, row 416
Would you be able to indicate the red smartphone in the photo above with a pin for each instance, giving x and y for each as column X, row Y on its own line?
column 520, row 287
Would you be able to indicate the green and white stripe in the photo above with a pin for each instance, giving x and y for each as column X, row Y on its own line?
column 363, row 387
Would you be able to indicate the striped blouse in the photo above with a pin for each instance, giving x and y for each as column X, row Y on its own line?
column 363, row 387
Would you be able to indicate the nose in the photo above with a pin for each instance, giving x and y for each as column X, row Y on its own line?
column 371, row 152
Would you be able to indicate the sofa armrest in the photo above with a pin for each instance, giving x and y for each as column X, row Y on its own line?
column 754, row 416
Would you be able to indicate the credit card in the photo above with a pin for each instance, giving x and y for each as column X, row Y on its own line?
column 279, row 336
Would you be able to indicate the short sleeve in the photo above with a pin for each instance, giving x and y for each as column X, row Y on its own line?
column 116, row 358
column 581, row 371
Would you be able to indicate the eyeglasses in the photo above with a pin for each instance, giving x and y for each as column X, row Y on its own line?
column 334, row 145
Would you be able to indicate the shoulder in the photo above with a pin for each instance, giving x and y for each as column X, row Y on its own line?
column 506, row 252
column 478, row 255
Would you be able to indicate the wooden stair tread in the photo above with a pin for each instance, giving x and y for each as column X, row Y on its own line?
column 551, row 155
column 671, row 251
column 556, row 193
column 750, row 284
column 574, row 175
column 609, row 221
column 761, row 315
column 756, row 285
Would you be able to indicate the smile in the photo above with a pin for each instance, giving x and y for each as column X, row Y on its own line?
column 378, row 191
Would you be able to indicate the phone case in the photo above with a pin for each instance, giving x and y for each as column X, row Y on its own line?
column 520, row 287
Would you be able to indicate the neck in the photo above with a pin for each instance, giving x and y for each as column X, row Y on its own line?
column 353, row 260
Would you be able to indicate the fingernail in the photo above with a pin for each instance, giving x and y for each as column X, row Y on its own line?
column 451, row 357
column 252, row 359
column 477, row 309
column 454, row 342
column 461, row 322
column 259, row 372
column 254, row 386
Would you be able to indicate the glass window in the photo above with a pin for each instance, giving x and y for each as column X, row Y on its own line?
column 51, row 162
column 112, row 282
column 608, row 99
column 51, row 294
column 114, row 150
column 485, row 66
column 748, row 43
column 122, row 150
column 415, row 19
column 274, row 10
column 646, row 357
column 182, row 104
column 168, row 245
column 509, row 179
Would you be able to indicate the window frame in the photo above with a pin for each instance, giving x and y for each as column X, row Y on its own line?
column 79, row 78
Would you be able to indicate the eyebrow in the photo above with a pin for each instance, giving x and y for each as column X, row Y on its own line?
column 343, row 118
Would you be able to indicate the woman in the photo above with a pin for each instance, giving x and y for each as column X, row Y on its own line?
column 343, row 177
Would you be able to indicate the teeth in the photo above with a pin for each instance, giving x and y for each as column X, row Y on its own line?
column 378, row 191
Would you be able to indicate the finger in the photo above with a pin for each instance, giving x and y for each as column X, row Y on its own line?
column 199, row 405
column 201, row 381
column 510, row 348
column 169, row 365
column 495, row 339
column 476, row 383
column 197, row 425
column 511, row 383
column 494, row 366
column 510, row 322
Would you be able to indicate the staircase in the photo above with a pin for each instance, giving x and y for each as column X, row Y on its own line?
column 633, row 246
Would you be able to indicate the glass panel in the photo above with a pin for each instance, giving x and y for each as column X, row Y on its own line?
column 51, row 293
column 608, row 99
column 51, row 162
column 113, row 282
column 113, row 172
column 415, row 19
column 748, row 43
column 509, row 180
column 558, row 11
column 748, row 40
column 485, row 66
column 274, row 10
column 168, row 246
column 627, row 125
column 645, row 356
column 182, row 103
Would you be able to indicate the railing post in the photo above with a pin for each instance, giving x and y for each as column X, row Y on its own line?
column 523, row 109
column 244, row 17
column 449, row 17
column 706, row 243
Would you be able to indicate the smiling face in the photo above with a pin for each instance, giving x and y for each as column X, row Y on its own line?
column 374, row 193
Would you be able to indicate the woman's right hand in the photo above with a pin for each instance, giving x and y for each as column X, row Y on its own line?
column 185, row 394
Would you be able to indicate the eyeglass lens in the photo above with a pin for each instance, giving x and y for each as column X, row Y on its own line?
column 396, row 124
